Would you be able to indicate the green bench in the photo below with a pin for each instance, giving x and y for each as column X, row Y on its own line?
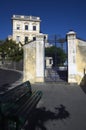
column 17, row 105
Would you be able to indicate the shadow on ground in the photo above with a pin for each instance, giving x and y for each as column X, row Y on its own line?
column 63, row 74
column 41, row 116
column 83, row 84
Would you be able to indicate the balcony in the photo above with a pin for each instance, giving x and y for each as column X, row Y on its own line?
column 22, row 17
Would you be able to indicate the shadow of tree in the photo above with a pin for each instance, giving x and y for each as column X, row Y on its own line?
column 41, row 115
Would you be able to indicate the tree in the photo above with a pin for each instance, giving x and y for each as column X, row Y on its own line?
column 11, row 50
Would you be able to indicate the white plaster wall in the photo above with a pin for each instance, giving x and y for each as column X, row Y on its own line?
column 40, row 58
column 72, row 69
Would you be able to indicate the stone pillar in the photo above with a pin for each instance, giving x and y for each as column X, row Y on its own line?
column 29, row 67
column 72, row 70
column 40, row 50
column 34, row 60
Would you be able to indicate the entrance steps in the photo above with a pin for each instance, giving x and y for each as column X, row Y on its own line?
column 53, row 75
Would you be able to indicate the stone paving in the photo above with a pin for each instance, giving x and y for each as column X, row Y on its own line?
column 9, row 79
column 62, row 107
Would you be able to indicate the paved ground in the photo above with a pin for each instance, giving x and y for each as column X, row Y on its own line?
column 62, row 107
column 9, row 78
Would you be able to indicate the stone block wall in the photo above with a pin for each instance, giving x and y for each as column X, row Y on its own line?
column 76, row 59
column 81, row 60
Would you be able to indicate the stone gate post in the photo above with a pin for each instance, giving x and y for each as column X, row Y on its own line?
column 40, row 58
column 34, row 60
column 72, row 69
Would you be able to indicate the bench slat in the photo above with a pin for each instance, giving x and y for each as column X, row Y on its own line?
column 23, row 115
column 16, row 92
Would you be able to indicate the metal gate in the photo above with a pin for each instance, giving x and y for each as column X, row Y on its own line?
column 55, row 66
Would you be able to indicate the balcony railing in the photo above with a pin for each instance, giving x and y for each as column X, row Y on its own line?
column 26, row 17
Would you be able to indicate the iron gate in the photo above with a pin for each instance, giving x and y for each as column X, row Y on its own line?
column 55, row 66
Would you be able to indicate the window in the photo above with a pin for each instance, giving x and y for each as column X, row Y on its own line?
column 26, row 40
column 50, row 61
column 17, row 39
column 26, row 27
column 34, row 38
column 18, row 27
column 34, row 28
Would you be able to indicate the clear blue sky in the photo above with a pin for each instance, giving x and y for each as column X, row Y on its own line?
column 58, row 16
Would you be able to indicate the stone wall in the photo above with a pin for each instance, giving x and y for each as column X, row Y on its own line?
column 76, row 59
column 81, row 60
column 12, row 65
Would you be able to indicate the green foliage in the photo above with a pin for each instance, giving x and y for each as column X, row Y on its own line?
column 58, row 55
column 11, row 50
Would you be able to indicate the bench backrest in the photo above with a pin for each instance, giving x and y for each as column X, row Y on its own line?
column 14, row 95
column 16, row 92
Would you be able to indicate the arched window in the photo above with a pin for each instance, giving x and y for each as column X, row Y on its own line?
column 34, row 38
column 18, row 26
column 34, row 28
column 26, row 39
column 17, row 39
column 26, row 27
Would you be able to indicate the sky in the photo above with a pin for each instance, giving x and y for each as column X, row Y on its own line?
column 58, row 16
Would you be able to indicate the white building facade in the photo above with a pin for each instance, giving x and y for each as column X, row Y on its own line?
column 25, row 28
